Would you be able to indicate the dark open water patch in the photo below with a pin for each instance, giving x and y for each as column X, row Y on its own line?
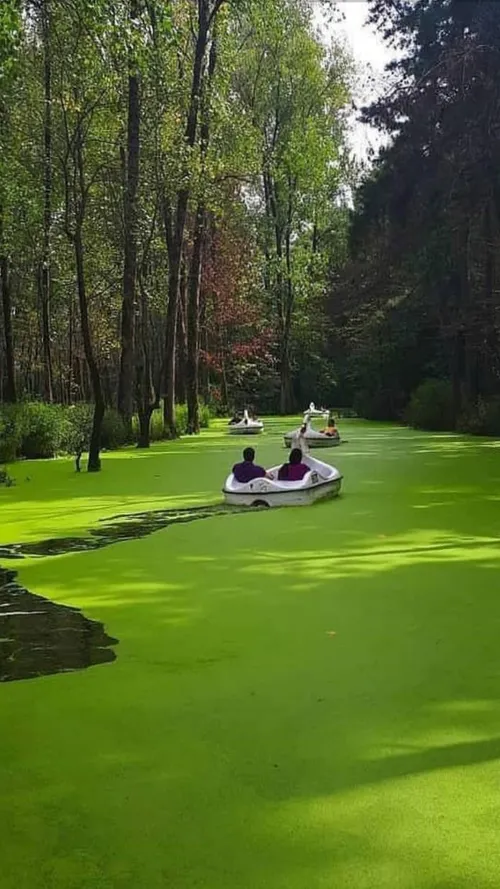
column 118, row 528
column 39, row 637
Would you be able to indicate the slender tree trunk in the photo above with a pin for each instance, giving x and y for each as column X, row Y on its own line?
column 285, row 378
column 193, row 311
column 147, row 401
column 169, row 421
column 94, row 463
column 287, row 310
column 176, row 237
column 461, row 375
column 193, row 315
column 70, row 352
column 145, row 398
column 9, row 393
column 45, row 270
column 126, row 378
column 204, row 381
column 282, row 285
column 180, row 374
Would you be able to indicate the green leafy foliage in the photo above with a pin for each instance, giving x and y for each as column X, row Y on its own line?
column 425, row 238
column 482, row 418
column 5, row 479
column 431, row 406
column 70, row 66
column 11, row 430
column 10, row 34
column 43, row 429
column 114, row 433
column 78, row 428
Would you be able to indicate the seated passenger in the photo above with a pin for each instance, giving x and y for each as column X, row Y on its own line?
column 331, row 430
column 245, row 472
column 294, row 470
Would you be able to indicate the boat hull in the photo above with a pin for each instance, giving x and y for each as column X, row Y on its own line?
column 320, row 482
column 245, row 430
column 321, row 442
column 291, row 498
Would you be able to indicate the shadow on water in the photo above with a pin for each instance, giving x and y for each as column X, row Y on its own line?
column 39, row 637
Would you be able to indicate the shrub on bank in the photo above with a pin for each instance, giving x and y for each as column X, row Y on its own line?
column 78, row 428
column 10, row 432
column 114, row 433
column 156, row 428
column 431, row 406
column 379, row 404
column 36, row 430
column 482, row 418
column 182, row 417
column 43, row 429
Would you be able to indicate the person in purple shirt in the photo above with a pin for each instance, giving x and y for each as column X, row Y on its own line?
column 245, row 472
column 295, row 469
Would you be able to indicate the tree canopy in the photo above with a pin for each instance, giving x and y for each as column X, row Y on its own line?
column 422, row 279
column 169, row 202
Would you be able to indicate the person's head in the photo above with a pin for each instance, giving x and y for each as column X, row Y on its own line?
column 249, row 455
column 295, row 456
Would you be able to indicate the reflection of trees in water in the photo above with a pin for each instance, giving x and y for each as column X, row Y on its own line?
column 39, row 637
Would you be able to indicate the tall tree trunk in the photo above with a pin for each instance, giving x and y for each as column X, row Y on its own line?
column 146, row 401
column 126, row 378
column 45, row 270
column 175, row 236
column 193, row 316
column 467, row 393
column 204, row 376
column 193, row 311
column 287, row 310
column 283, row 285
column 94, row 463
column 285, row 377
column 180, row 374
column 169, row 421
column 70, row 352
column 9, row 393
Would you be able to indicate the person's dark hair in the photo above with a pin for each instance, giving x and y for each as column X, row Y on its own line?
column 249, row 455
column 295, row 456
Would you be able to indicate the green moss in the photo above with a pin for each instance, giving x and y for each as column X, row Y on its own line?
column 303, row 698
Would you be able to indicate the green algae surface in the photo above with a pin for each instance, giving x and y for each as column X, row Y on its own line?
column 302, row 698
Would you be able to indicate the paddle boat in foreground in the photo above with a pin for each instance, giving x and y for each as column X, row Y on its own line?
column 322, row 480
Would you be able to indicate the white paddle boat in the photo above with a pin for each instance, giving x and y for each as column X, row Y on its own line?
column 322, row 480
column 311, row 436
column 246, row 426
column 313, row 411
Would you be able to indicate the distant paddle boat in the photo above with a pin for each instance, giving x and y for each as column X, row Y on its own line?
column 313, row 411
column 322, row 480
column 307, row 437
column 245, row 426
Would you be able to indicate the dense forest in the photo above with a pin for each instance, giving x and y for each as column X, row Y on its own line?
column 420, row 309
column 170, row 204
column 182, row 225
